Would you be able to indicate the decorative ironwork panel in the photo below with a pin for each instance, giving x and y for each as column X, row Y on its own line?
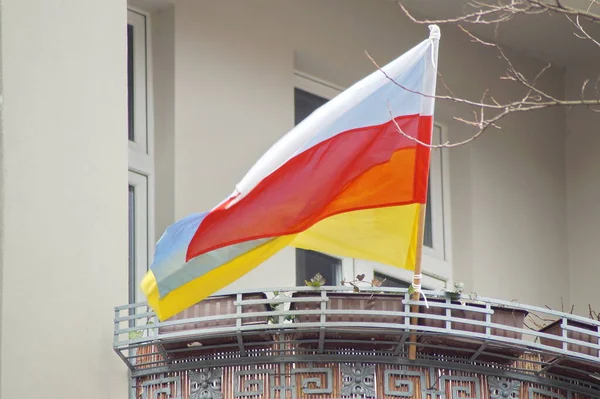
column 245, row 386
column 308, row 380
column 358, row 380
column 460, row 387
column 501, row 388
column 348, row 332
column 537, row 393
column 162, row 388
column 206, row 384
column 403, row 384
column 312, row 384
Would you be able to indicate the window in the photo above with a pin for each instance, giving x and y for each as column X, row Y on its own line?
column 138, row 233
column 141, row 166
column 427, row 227
column 137, row 130
column 389, row 281
column 309, row 263
column 436, row 237
column 310, row 94
column 305, row 103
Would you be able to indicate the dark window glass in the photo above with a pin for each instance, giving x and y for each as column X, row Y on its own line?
column 130, row 83
column 309, row 263
column 305, row 104
column 390, row 281
column 132, row 277
column 428, row 228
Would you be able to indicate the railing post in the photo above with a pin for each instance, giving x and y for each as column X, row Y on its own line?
column 280, row 345
column 488, row 332
column 405, row 334
column 238, row 323
column 565, row 334
column 158, row 343
column 116, row 330
column 323, row 319
column 155, row 322
column 499, row 351
column 488, row 320
column 448, row 313
column 598, row 340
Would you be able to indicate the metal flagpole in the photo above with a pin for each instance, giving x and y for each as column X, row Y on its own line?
column 417, row 276
column 412, row 348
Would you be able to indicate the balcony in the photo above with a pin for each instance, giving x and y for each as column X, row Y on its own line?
column 328, row 342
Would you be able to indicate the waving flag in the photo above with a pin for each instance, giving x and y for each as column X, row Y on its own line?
column 344, row 181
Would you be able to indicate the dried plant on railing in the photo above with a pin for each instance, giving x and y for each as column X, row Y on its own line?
column 360, row 280
column 318, row 281
column 455, row 292
column 535, row 322
column 540, row 322
column 137, row 334
column 275, row 306
column 593, row 314
column 487, row 111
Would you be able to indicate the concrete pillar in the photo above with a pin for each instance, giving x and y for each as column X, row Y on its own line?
column 63, row 232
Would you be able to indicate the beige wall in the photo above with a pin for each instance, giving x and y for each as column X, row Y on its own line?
column 64, row 209
column 223, row 91
column 163, row 62
column 234, row 64
column 583, row 195
column 233, row 99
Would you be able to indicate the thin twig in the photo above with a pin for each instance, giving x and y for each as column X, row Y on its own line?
column 488, row 112
column 498, row 12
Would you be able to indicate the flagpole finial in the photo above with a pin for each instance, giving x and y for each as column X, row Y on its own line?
column 434, row 32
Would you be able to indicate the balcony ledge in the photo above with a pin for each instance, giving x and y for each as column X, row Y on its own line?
column 336, row 325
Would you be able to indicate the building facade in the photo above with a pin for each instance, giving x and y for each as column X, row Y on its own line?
column 202, row 89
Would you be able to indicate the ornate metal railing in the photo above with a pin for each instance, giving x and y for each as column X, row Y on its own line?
column 298, row 328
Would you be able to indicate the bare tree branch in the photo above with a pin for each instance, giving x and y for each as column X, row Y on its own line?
column 488, row 112
column 493, row 13
column 583, row 34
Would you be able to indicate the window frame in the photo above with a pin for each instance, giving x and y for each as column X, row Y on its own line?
column 338, row 269
column 326, row 90
column 381, row 276
column 141, row 255
column 140, row 123
column 141, row 150
column 436, row 261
